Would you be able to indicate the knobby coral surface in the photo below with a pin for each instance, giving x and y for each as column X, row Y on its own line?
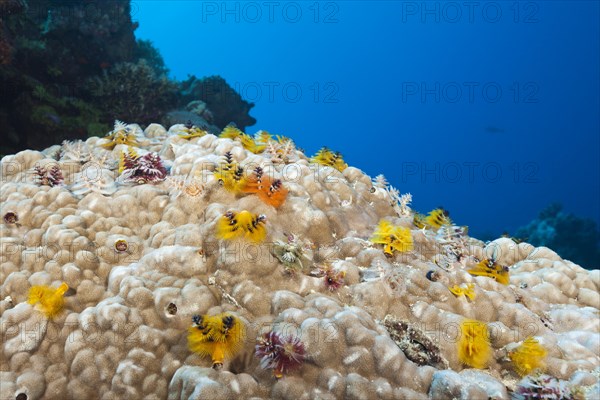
column 140, row 261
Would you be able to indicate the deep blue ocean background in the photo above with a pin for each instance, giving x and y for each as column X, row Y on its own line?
column 490, row 109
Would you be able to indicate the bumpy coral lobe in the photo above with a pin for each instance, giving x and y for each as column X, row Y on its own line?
column 393, row 238
column 280, row 353
column 242, row 225
column 219, row 336
column 528, row 357
column 474, row 347
column 51, row 301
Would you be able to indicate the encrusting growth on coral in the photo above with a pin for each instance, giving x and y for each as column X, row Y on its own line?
column 492, row 269
column 474, row 348
column 243, row 224
column 415, row 344
column 280, row 353
column 329, row 158
column 546, row 387
column 218, row 336
column 393, row 238
column 51, row 300
column 528, row 357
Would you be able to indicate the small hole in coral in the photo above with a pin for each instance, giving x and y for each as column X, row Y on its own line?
column 172, row 309
column 121, row 245
column 433, row 276
column 11, row 218
column 21, row 396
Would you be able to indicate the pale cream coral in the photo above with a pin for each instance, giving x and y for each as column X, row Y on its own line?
column 123, row 332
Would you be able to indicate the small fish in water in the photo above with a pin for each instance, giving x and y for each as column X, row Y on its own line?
column 493, row 129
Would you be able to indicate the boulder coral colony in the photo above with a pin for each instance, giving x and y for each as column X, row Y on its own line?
column 178, row 264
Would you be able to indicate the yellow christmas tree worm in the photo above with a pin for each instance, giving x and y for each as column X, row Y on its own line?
column 218, row 336
column 329, row 158
column 50, row 301
column 393, row 238
column 233, row 133
column 121, row 134
column 490, row 268
column 528, row 357
column 468, row 291
column 474, row 347
column 243, row 224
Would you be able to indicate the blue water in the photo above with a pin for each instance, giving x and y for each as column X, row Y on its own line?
column 490, row 109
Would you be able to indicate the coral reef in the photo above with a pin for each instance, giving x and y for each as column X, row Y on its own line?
column 175, row 284
column 67, row 67
column 574, row 238
column 132, row 91
column 225, row 104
